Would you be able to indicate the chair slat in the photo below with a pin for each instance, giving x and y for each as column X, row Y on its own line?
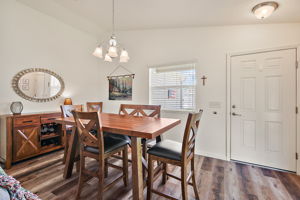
column 94, row 106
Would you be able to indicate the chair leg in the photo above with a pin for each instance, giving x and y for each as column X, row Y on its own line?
column 184, row 182
column 101, row 179
column 81, row 177
column 77, row 160
column 77, row 166
column 150, row 178
column 65, row 154
column 125, row 166
column 165, row 171
column 194, row 179
column 66, row 148
column 106, row 167
column 144, row 152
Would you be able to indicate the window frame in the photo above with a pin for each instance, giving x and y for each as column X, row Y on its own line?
column 192, row 86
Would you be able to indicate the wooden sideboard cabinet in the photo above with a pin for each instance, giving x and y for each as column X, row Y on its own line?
column 29, row 135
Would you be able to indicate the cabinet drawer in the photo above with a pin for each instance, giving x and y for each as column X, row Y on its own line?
column 27, row 121
column 49, row 118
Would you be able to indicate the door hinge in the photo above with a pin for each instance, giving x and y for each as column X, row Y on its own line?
column 296, row 109
column 296, row 156
column 297, row 64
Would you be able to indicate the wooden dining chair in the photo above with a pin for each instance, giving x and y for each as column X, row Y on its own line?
column 145, row 111
column 94, row 106
column 66, row 111
column 175, row 153
column 140, row 110
column 96, row 146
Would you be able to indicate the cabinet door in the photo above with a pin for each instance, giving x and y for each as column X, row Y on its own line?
column 26, row 142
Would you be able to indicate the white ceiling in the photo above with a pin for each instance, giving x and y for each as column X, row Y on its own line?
column 95, row 15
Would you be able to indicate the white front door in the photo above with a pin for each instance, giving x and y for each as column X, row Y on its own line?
column 263, row 108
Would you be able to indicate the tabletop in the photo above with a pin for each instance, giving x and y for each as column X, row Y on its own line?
column 136, row 126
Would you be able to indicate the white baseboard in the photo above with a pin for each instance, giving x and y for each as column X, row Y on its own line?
column 212, row 155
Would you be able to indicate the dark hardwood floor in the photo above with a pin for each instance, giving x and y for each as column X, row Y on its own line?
column 217, row 179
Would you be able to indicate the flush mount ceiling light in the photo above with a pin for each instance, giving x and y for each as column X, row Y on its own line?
column 265, row 9
column 111, row 49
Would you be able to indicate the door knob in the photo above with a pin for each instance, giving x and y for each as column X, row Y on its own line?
column 235, row 114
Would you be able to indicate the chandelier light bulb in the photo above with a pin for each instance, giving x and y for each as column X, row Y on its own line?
column 107, row 58
column 265, row 9
column 123, row 60
column 124, row 56
column 124, row 53
column 113, row 52
column 98, row 52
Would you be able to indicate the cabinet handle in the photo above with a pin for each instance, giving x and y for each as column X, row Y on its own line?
column 28, row 121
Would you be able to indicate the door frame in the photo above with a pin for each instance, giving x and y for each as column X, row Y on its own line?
column 228, row 97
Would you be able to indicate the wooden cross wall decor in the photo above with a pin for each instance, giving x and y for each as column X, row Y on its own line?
column 203, row 80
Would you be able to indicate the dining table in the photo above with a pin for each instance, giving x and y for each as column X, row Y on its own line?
column 137, row 127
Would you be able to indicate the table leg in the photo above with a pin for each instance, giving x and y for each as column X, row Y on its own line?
column 137, row 169
column 73, row 145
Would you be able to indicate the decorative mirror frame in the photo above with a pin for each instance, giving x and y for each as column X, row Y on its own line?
column 18, row 76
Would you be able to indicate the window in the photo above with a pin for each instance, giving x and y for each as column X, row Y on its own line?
column 173, row 87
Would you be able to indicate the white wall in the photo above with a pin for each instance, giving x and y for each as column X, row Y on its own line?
column 209, row 47
column 30, row 39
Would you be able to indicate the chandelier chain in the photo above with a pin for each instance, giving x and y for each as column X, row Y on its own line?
column 113, row 16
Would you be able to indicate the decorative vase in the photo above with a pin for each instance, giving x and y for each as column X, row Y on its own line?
column 16, row 107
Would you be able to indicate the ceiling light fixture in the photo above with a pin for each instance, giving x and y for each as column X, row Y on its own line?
column 112, row 48
column 265, row 9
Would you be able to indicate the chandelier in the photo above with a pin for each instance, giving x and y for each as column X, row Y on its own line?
column 112, row 48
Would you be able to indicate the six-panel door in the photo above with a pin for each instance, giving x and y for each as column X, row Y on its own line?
column 263, row 103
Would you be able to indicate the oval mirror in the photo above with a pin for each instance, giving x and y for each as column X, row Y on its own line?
column 39, row 85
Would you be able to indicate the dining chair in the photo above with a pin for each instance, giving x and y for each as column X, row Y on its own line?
column 94, row 106
column 96, row 146
column 143, row 111
column 66, row 111
column 178, row 154
column 140, row 110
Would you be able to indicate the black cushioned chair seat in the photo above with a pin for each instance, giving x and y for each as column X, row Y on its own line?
column 167, row 149
column 110, row 144
column 123, row 137
column 118, row 136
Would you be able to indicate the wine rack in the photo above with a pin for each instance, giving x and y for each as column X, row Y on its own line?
column 50, row 136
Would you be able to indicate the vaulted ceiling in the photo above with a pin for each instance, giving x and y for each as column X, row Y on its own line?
column 95, row 15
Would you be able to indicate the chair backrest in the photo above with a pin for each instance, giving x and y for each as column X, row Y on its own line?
column 66, row 110
column 189, row 138
column 140, row 110
column 94, row 106
column 90, row 130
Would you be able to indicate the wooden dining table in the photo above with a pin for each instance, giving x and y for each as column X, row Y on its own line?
column 135, row 126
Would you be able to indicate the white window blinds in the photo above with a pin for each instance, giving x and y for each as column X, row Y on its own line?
column 173, row 87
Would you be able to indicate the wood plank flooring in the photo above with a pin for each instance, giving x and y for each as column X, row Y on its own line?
column 217, row 180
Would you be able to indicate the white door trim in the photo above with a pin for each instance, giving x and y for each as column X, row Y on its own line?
column 228, row 98
column 298, row 105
